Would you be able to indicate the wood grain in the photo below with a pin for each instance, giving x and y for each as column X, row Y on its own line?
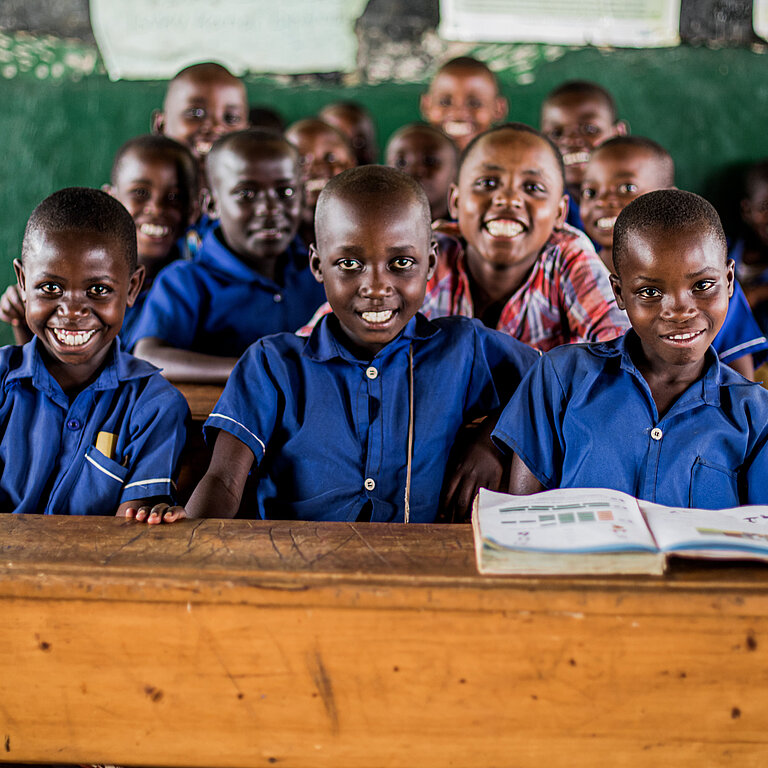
column 249, row 643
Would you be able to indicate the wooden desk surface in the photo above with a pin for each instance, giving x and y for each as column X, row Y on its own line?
column 244, row 643
column 201, row 398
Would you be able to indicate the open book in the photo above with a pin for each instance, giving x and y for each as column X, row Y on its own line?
column 595, row 530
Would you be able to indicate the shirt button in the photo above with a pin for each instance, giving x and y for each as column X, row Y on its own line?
column 277, row 298
column 370, row 483
column 656, row 433
column 73, row 424
column 371, row 372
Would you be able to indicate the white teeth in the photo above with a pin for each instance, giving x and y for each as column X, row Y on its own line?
column 457, row 128
column 684, row 336
column 72, row 338
column 504, row 228
column 606, row 222
column 315, row 185
column 268, row 234
column 203, row 147
column 575, row 158
column 154, row 230
column 378, row 317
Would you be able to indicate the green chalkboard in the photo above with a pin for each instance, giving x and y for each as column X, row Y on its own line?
column 61, row 127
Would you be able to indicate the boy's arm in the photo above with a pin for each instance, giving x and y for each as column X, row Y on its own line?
column 521, row 480
column 12, row 312
column 183, row 364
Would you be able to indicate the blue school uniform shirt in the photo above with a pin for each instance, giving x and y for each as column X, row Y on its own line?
column 48, row 453
column 584, row 417
column 330, row 431
column 218, row 305
column 740, row 334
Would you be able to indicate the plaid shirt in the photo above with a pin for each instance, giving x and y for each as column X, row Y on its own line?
column 566, row 298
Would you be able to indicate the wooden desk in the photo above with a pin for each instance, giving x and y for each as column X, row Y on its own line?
column 244, row 643
column 201, row 398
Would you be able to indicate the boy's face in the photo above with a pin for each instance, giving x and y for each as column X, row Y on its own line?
column 675, row 288
column 432, row 162
column 200, row 108
column 147, row 184
column 324, row 155
column 509, row 199
column 76, row 287
column 577, row 123
column 258, row 197
column 613, row 179
column 754, row 210
column 463, row 103
column 358, row 129
column 374, row 265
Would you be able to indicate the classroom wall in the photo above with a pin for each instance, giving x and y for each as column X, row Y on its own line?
column 62, row 126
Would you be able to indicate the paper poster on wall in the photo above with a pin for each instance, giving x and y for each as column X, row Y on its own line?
column 628, row 23
column 760, row 18
column 145, row 39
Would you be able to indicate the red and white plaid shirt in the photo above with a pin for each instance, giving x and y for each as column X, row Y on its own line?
column 566, row 298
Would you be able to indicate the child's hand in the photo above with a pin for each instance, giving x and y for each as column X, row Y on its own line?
column 12, row 306
column 151, row 515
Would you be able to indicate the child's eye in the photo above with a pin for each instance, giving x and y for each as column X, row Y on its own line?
column 400, row 163
column 99, row 290
column 330, row 157
column 649, row 293
column 348, row 265
column 140, row 193
column 195, row 113
column 589, row 129
column 285, row 193
column 555, row 133
column 430, row 161
column 233, row 118
column 486, row 183
column 445, row 101
column 704, row 285
column 245, row 195
column 627, row 189
column 50, row 289
column 473, row 103
column 587, row 193
column 402, row 263
column 535, row 187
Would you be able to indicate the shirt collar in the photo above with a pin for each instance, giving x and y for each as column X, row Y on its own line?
column 323, row 343
column 217, row 257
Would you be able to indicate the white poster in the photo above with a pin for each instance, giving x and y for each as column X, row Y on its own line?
column 628, row 23
column 147, row 39
column 760, row 18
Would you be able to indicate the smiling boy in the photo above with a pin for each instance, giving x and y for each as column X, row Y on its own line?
column 251, row 277
column 357, row 422
column 86, row 428
column 654, row 413
column 520, row 269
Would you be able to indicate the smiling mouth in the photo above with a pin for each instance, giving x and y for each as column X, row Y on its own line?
column 203, row 147
column 72, row 338
column 606, row 222
column 683, row 338
column 155, row 231
column 457, row 128
column 504, row 228
column 268, row 233
column 575, row 158
column 378, row 318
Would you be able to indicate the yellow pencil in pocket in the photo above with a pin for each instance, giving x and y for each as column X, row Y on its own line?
column 105, row 443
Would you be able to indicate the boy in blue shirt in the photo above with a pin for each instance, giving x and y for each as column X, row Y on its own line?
column 251, row 277
column 357, row 422
column 86, row 428
column 653, row 413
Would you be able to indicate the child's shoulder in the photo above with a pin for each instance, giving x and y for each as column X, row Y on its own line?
column 150, row 388
column 569, row 241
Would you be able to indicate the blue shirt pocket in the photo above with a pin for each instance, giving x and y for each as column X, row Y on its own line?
column 712, row 486
column 100, row 484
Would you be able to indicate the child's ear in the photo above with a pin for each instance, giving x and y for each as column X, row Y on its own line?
column 453, row 200
column 109, row 189
column 500, row 109
column 425, row 105
column 432, row 259
column 314, row 263
column 208, row 203
column 562, row 212
column 134, row 288
column 157, row 122
column 21, row 278
column 622, row 128
column 731, row 276
column 616, row 285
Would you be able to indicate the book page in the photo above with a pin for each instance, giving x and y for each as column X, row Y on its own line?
column 726, row 533
column 564, row 520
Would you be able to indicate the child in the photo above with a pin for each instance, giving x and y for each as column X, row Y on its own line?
column 463, row 100
column 578, row 116
column 357, row 422
column 622, row 169
column 86, row 428
column 251, row 277
column 430, row 157
column 324, row 152
column 202, row 103
column 654, row 413
column 520, row 269
column 356, row 123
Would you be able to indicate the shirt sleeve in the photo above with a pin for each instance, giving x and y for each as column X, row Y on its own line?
column 740, row 334
column 590, row 307
column 530, row 425
column 251, row 403
column 173, row 307
column 158, row 433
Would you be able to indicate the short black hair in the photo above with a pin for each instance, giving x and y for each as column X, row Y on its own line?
column 249, row 140
column 158, row 145
column 372, row 185
column 266, row 119
column 519, row 128
column 583, row 88
column 81, row 209
column 467, row 62
column 666, row 163
column 316, row 124
column 443, row 138
column 668, row 210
